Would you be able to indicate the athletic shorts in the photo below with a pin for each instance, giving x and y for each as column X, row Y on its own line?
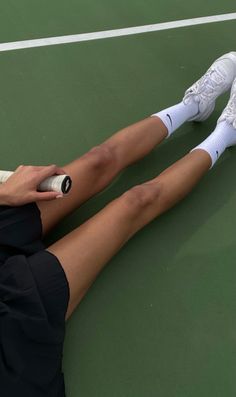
column 34, row 296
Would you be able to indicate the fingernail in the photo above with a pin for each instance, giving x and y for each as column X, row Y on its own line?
column 59, row 196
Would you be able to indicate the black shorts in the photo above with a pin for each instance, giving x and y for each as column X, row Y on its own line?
column 34, row 296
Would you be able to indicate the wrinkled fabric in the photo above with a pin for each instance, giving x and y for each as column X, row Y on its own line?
column 34, row 296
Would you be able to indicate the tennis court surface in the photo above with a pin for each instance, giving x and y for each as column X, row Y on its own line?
column 160, row 319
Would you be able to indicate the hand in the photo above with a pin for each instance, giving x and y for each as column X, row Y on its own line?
column 21, row 187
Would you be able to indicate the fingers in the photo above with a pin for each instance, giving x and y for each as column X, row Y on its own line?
column 45, row 171
column 47, row 196
column 51, row 170
column 23, row 186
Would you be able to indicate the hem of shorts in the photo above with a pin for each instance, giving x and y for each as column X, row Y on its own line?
column 59, row 263
column 64, row 274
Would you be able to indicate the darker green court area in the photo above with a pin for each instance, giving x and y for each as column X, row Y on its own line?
column 160, row 319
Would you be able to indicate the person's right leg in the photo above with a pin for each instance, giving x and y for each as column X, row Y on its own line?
column 95, row 170
column 85, row 251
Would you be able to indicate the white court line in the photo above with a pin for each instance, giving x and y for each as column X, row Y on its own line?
column 75, row 38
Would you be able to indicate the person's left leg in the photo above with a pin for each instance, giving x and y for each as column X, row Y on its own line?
column 92, row 172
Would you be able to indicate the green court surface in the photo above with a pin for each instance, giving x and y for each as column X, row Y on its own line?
column 160, row 319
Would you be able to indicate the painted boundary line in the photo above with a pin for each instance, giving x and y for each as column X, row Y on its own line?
column 75, row 38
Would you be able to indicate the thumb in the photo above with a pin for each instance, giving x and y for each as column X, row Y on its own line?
column 47, row 196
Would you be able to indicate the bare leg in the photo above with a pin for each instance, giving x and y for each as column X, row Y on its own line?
column 84, row 252
column 95, row 170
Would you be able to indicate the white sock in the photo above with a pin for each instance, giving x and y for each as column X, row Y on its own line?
column 222, row 137
column 176, row 115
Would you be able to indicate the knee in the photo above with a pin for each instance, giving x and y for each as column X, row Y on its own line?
column 141, row 197
column 100, row 157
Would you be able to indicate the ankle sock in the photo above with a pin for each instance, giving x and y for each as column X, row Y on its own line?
column 222, row 137
column 174, row 116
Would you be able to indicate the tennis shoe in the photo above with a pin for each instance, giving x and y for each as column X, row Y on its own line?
column 229, row 113
column 217, row 80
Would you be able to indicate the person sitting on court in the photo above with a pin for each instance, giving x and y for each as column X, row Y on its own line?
column 41, row 286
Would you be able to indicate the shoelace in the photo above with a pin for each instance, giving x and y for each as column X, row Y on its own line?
column 207, row 85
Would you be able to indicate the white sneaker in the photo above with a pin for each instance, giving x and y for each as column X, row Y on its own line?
column 229, row 113
column 217, row 80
